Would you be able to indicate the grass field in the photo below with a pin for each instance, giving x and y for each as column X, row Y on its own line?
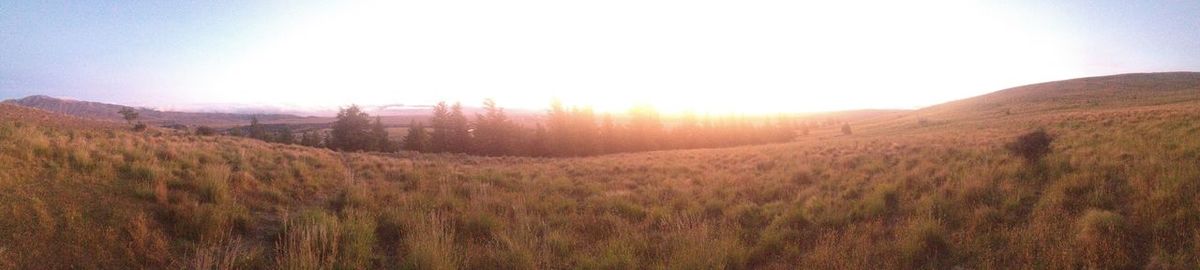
column 930, row 189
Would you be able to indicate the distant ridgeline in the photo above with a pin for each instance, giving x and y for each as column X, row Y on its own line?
column 562, row 133
column 108, row 112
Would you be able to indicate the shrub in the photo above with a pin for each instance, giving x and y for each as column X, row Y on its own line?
column 1103, row 235
column 846, row 129
column 478, row 227
column 149, row 242
column 923, row 245
column 883, row 201
column 139, row 127
column 786, row 236
column 205, row 131
column 213, row 184
column 1031, row 146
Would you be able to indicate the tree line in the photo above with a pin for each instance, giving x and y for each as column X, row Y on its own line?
column 563, row 132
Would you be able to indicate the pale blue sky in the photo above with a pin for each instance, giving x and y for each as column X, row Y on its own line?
column 680, row 55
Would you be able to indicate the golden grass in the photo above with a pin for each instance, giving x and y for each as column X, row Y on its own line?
column 1117, row 191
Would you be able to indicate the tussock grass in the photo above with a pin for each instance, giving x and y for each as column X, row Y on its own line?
column 1116, row 191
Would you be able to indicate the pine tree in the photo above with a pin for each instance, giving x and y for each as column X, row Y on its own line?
column 493, row 131
column 585, row 136
column 686, row 133
column 539, row 143
column 610, row 136
column 351, row 131
column 558, row 131
column 379, row 137
column 645, row 128
column 417, row 139
column 439, row 140
column 460, row 133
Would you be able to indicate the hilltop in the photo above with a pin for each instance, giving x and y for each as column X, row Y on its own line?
column 1114, row 93
column 108, row 112
column 392, row 115
column 1117, row 190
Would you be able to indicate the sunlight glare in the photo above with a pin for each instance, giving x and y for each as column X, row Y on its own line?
column 706, row 56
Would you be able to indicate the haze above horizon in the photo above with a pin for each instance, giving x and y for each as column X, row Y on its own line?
column 706, row 56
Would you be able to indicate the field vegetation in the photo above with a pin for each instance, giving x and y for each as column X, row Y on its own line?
column 1112, row 186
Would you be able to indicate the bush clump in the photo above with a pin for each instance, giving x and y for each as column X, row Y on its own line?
column 923, row 245
column 1032, row 146
column 205, row 131
column 1104, row 237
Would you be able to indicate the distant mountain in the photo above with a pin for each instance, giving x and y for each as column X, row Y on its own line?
column 108, row 112
column 393, row 115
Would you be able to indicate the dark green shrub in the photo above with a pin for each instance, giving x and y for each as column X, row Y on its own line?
column 1031, row 146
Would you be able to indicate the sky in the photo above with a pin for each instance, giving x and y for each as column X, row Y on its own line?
column 688, row 55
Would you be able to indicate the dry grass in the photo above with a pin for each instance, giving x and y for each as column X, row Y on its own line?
column 1116, row 191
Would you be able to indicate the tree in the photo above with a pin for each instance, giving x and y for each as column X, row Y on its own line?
column 439, row 140
column 285, row 136
column 379, row 137
column 645, row 128
column 686, row 134
column 310, row 139
column 493, row 131
column 460, row 133
column 351, row 131
column 610, row 135
column 416, row 139
column 585, row 136
column 538, row 143
column 558, row 130
column 256, row 129
column 130, row 115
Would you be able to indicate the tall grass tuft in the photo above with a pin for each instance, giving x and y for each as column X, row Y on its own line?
column 430, row 245
column 1104, row 237
column 311, row 241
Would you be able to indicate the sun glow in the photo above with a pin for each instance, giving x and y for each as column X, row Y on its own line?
column 702, row 56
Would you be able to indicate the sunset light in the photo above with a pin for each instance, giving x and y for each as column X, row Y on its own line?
column 704, row 56
column 612, row 134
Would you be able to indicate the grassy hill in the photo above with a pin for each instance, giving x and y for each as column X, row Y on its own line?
column 1117, row 191
column 1085, row 95
column 108, row 112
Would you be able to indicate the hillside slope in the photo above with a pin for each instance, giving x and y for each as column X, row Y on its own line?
column 108, row 112
column 1117, row 191
column 1084, row 95
column 1106, row 92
